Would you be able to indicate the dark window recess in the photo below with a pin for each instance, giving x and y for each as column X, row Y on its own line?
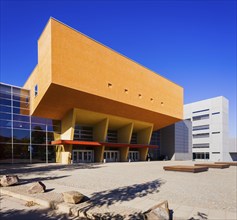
column 155, row 138
column 203, row 135
column 83, row 133
column 215, row 152
column 200, row 117
column 201, row 127
column 36, row 90
column 204, row 110
column 204, row 145
column 217, row 132
column 112, row 136
column 215, row 113
column 134, row 138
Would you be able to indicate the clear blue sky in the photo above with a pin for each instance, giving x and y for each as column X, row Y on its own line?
column 192, row 43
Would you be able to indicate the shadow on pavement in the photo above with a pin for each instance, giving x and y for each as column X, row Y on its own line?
column 32, row 214
column 127, row 193
column 27, row 169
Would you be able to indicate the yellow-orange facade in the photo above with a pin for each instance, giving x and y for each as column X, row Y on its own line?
column 84, row 83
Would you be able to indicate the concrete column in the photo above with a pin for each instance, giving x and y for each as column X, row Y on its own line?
column 124, row 154
column 143, row 153
column 64, row 153
column 99, row 154
column 99, row 134
column 100, row 130
column 144, row 137
column 67, row 125
column 125, row 134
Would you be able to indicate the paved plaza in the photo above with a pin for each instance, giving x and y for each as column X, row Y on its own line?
column 124, row 189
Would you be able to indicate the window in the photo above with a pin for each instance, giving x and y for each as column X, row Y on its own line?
column 200, row 117
column 217, row 132
column 139, row 96
column 204, row 110
column 126, row 91
column 201, row 127
column 36, row 90
column 215, row 152
column 203, row 135
column 215, row 113
column 204, row 145
column 109, row 85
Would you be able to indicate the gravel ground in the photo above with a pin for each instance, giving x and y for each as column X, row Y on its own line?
column 123, row 183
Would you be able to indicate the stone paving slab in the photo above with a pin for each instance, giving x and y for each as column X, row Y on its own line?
column 126, row 209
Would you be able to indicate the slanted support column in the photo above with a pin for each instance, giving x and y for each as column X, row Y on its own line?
column 68, row 125
column 64, row 153
column 99, row 154
column 124, row 154
column 99, row 134
column 144, row 137
column 143, row 153
column 125, row 134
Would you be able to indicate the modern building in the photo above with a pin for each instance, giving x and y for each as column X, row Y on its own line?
column 209, row 128
column 176, row 141
column 94, row 103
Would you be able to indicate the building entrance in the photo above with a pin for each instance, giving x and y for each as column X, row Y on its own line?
column 133, row 155
column 111, row 156
column 83, row 156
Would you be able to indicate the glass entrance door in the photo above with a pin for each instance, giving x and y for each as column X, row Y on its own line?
column 133, row 155
column 83, row 156
column 111, row 156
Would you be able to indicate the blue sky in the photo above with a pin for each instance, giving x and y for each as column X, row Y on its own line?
column 192, row 43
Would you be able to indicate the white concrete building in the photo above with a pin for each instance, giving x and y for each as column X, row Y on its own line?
column 209, row 128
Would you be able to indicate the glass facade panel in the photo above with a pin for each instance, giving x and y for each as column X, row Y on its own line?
column 5, row 116
column 23, row 111
column 21, row 125
column 5, row 124
column 38, row 137
column 21, row 141
column 21, row 153
column 5, row 135
column 21, row 118
column 4, row 108
column 21, row 136
column 4, row 101
column 6, row 153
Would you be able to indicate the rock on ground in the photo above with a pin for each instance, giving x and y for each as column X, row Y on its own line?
column 37, row 187
column 73, row 197
column 9, row 180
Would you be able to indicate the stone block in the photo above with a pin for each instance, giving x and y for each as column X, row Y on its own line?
column 9, row 180
column 73, row 197
column 37, row 187
column 159, row 212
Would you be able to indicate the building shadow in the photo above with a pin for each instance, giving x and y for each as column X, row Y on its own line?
column 28, row 169
column 42, row 214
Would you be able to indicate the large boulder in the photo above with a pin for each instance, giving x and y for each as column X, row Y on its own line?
column 73, row 197
column 9, row 180
column 159, row 212
column 37, row 187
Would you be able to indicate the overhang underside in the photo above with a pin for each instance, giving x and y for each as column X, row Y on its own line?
column 98, row 144
column 58, row 100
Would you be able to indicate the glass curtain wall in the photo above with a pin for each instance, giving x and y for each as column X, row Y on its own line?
column 23, row 139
